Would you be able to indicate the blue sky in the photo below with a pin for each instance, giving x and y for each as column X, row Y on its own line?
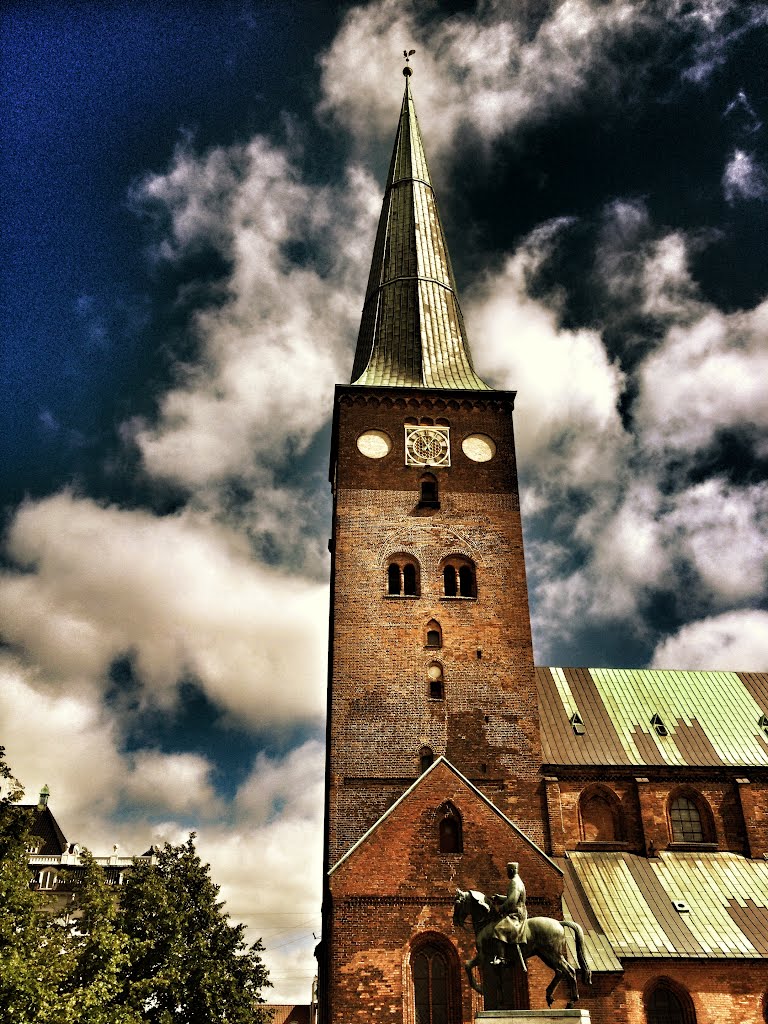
column 190, row 196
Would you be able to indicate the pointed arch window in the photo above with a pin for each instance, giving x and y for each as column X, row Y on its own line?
column 435, row 982
column 450, row 833
column 600, row 816
column 434, row 634
column 690, row 817
column 426, row 758
column 668, row 1003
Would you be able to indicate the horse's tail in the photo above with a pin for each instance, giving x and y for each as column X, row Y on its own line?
column 578, row 934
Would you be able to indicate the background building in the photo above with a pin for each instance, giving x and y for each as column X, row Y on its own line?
column 636, row 802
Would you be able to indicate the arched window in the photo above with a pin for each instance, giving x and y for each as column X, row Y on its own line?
column 409, row 578
column 668, row 1003
column 393, row 578
column 429, row 496
column 450, row 584
column 600, row 816
column 403, row 577
column 434, row 634
column 435, row 983
column 466, row 581
column 450, row 835
column 436, row 681
column 690, row 819
column 426, row 758
column 459, row 577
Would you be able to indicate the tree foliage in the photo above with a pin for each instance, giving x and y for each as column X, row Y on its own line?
column 166, row 952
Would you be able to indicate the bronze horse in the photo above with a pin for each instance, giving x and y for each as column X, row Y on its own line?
column 543, row 937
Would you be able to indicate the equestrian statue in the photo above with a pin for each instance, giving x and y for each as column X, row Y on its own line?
column 505, row 936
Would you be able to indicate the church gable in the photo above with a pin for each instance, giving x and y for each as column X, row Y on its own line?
column 442, row 834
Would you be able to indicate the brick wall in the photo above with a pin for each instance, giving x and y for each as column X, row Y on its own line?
column 381, row 712
column 396, row 887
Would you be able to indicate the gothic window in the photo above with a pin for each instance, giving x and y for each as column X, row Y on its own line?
column 426, row 757
column 449, row 830
column 690, row 820
column 403, row 577
column 667, row 1003
column 434, row 634
column 436, row 681
column 600, row 816
column 459, row 578
column 432, row 986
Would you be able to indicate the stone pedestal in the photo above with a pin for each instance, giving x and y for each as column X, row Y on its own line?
column 533, row 1016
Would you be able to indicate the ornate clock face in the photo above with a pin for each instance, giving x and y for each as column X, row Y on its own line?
column 427, row 446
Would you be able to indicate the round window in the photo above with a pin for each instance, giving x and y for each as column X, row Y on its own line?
column 374, row 444
column 479, row 447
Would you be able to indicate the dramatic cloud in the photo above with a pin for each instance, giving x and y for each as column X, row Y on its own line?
column 285, row 316
column 708, row 375
column 744, row 178
column 268, row 863
column 181, row 596
column 508, row 65
column 734, row 641
column 568, row 391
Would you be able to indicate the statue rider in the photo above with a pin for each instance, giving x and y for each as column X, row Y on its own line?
column 509, row 930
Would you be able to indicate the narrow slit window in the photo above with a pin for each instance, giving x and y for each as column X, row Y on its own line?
column 409, row 578
column 466, row 581
column 449, row 581
column 393, row 579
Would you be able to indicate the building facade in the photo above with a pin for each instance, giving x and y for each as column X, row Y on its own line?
column 635, row 802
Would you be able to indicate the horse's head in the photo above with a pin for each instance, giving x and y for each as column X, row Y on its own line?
column 473, row 903
column 460, row 908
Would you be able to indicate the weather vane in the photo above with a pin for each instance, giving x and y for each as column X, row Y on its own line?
column 408, row 70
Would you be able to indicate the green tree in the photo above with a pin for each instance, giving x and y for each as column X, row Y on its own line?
column 165, row 953
column 188, row 964
column 29, row 939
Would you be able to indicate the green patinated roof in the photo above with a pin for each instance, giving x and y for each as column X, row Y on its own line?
column 711, row 718
column 626, row 905
column 412, row 331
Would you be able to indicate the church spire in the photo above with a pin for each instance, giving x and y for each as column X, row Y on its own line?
column 412, row 332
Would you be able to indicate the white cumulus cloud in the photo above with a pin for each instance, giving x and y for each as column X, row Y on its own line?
column 733, row 641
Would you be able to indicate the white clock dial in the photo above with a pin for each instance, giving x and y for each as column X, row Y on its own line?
column 427, row 446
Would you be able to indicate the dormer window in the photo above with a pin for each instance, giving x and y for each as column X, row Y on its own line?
column 762, row 723
column 658, row 725
column 576, row 724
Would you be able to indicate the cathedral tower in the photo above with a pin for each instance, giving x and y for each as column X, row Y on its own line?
column 433, row 740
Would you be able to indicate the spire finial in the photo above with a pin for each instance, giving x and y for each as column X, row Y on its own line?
column 408, row 70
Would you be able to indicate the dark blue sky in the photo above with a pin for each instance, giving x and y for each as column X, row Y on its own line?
column 189, row 200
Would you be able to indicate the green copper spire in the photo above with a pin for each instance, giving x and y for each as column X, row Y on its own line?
column 412, row 331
